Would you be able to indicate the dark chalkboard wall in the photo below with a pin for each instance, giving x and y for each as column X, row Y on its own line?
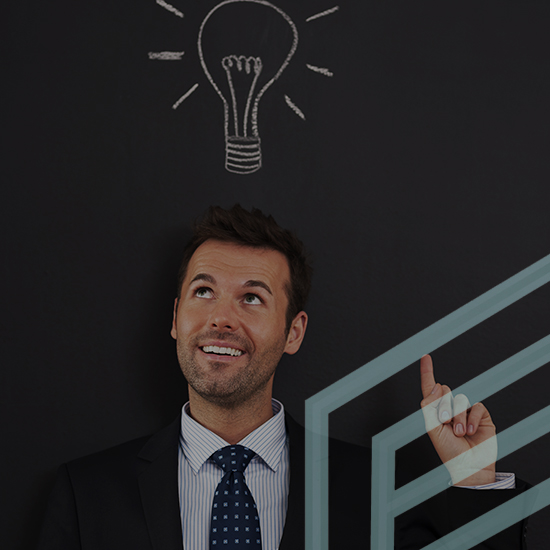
column 419, row 179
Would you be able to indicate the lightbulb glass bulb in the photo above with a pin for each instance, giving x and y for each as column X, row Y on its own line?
column 244, row 46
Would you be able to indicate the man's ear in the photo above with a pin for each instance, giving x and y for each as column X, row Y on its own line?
column 296, row 333
column 174, row 331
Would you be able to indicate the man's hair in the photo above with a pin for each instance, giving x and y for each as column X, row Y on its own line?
column 256, row 230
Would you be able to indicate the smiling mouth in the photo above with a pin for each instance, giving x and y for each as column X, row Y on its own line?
column 216, row 350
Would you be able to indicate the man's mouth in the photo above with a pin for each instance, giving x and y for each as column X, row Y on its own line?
column 222, row 350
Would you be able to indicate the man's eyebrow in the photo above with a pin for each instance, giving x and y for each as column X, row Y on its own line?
column 204, row 277
column 261, row 284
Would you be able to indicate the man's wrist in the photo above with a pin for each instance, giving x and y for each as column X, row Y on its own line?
column 483, row 477
column 467, row 477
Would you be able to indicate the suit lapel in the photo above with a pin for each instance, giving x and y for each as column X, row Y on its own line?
column 293, row 533
column 158, row 485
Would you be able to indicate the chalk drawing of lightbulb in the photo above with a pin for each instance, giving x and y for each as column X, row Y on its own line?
column 244, row 46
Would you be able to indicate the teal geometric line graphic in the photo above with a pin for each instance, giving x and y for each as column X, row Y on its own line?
column 371, row 374
column 388, row 503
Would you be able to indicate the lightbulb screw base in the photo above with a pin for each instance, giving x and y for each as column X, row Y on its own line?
column 243, row 155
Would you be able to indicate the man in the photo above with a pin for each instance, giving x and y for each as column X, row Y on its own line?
column 242, row 288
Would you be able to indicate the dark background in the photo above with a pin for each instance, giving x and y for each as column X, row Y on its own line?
column 419, row 180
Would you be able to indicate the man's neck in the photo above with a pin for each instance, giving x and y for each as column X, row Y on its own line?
column 231, row 424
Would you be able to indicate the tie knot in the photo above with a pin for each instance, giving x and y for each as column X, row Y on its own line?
column 233, row 457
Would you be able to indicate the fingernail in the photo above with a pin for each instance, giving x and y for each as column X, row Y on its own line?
column 471, row 429
column 445, row 416
column 435, row 388
column 459, row 428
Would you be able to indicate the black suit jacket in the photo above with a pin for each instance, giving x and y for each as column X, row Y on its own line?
column 127, row 497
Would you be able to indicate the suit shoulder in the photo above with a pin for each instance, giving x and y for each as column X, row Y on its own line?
column 129, row 456
column 117, row 452
column 114, row 461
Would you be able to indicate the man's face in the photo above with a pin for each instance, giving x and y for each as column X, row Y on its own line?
column 229, row 322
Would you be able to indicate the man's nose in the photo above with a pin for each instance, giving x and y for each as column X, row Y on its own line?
column 224, row 316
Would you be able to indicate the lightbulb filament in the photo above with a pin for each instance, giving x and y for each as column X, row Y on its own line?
column 246, row 65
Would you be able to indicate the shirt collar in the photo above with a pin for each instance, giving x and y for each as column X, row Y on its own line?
column 267, row 441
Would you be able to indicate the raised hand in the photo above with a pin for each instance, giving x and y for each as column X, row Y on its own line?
column 454, row 427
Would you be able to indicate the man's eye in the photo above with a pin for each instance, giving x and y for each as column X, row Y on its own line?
column 203, row 292
column 252, row 299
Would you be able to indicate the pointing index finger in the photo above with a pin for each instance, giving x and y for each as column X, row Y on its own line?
column 427, row 380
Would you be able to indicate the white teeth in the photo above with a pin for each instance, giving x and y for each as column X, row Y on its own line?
column 222, row 351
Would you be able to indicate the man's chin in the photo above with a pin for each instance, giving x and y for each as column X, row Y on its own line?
column 228, row 395
column 224, row 398
column 216, row 389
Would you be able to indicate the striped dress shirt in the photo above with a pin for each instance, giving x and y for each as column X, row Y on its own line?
column 267, row 476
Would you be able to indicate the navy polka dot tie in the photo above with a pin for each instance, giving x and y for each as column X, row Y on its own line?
column 235, row 522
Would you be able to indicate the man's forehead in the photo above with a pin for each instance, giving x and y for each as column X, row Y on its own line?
column 242, row 262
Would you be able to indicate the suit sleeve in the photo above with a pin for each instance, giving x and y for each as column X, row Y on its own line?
column 60, row 527
column 454, row 508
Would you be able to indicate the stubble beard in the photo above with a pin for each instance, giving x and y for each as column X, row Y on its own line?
column 213, row 383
